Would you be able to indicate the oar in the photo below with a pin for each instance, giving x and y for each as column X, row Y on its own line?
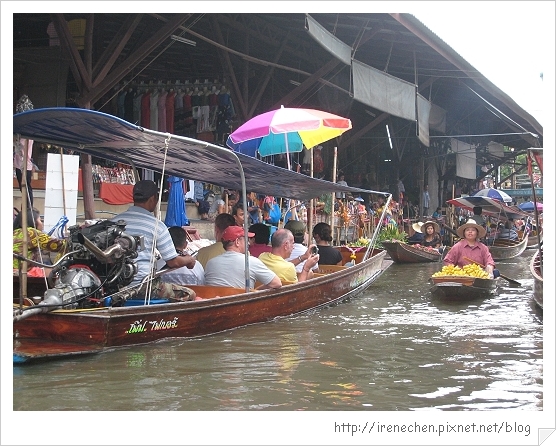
column 509, row 279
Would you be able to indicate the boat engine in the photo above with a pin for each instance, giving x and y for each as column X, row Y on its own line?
column 102, row 261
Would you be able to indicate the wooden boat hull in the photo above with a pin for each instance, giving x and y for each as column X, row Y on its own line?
column 507, row 249
column 462, row 287
column 48, row 335
column 535, row 267
column 404, row 253
column 532, row 241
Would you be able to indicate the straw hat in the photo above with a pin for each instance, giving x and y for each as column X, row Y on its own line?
column 417, row 226
column 471, row 224
column 430, row 223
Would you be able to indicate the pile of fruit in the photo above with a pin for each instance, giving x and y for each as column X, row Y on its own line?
column 426, row 248
column 471, row 270
column 361, row 241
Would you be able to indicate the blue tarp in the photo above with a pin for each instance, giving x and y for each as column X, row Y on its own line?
column 175, row 212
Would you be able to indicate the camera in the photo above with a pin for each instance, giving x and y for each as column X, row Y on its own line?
column 314, row 250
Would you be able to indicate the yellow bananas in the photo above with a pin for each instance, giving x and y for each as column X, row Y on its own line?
column 471, row 270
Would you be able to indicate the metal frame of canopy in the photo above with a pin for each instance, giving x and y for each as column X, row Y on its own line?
column 109, row 137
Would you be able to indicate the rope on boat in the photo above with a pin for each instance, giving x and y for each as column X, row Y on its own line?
column 153, row 261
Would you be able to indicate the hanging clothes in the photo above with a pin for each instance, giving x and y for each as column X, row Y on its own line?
column 137, row 107
column 146, row 109
column 170, row 107
column 121, row 104
column 162, row 110
column 154, row 110
column 128, row 105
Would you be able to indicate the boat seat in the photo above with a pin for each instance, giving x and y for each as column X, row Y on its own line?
column 327, row 269
column 210, row 291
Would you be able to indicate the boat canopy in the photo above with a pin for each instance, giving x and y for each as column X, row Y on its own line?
column 490, row 207
column 109, row 137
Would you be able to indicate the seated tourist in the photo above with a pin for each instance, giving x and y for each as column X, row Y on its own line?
column 228, row 269
column 183, row 275
column 221, row 222
column 300, row 252
column 238, row 214
column 282, row 245
column 259, row 243
column 328, row 254
column 418, row 237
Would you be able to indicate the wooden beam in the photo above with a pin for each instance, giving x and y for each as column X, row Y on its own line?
column 80, row 73
column 114, row 49
column 133, row 60
column 262, row 86
column 237, row 91
column 364, row 130
column 308, row 83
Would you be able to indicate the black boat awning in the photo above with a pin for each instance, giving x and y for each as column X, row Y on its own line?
column 109, row 137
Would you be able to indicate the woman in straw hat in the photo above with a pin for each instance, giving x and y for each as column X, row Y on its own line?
column 470, row 249
column 417, row 237
column 431, row 230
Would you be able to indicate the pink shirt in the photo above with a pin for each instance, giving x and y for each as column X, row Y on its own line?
column 256, row 249
column 479, row 253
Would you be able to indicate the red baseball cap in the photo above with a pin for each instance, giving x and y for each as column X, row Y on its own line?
column 233, row 232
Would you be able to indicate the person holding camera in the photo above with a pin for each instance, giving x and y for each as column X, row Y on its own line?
column 282, row 242
column 328, row 255
column 300, row 252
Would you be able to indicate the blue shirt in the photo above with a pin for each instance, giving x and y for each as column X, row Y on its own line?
column 139, row 221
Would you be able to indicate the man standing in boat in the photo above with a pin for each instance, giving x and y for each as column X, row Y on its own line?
column 139, row 220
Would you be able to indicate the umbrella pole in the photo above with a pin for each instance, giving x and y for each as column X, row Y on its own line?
column 333, row 195
column 287, row 151
column 311, row 207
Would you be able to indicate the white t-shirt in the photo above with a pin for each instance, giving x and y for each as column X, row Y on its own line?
column 228, row 269
column 298, row 251
column 186, row 276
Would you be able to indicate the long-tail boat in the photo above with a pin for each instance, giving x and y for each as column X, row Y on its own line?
column 88, row 307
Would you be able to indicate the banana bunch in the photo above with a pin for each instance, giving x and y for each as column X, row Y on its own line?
column 471, row 270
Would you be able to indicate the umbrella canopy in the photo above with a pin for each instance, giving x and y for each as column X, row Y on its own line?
column 495, row 194
column 175, row 212
column 286, row 130
column 490, row 207
column 529, row 206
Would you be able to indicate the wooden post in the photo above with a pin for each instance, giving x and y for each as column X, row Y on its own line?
column 24, row 211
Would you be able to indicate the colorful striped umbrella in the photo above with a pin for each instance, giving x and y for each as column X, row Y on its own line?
column 286, row 130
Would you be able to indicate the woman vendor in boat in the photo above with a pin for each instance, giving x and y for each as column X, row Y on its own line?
column 39, row 244
column 328, row 255
column 470, row 249
column 431, row 239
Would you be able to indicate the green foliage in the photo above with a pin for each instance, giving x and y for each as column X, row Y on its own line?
column 390, row 232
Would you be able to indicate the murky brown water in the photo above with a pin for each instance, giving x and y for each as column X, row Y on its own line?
column 392, row 348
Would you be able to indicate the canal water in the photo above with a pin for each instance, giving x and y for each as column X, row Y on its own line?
column 392, row 349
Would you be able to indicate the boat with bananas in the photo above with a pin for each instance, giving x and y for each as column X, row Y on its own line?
column 469, row 282
column 89, row 305
column 500, row 249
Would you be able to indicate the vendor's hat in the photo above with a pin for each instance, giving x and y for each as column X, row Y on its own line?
column 471, row 224
column 296, row 227
column 430, row 223
column 417, row 226
column 358, row 199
